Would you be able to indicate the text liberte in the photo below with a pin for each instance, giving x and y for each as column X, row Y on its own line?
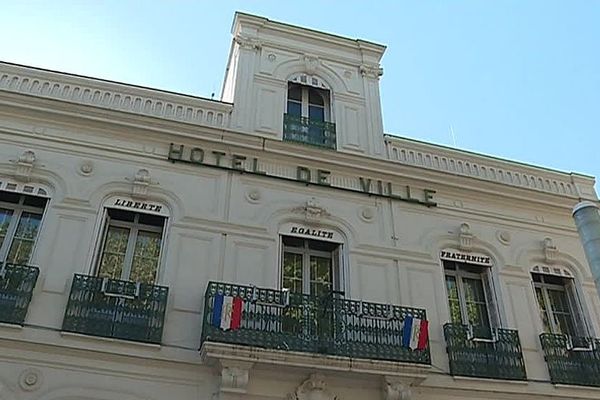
column 304, row 174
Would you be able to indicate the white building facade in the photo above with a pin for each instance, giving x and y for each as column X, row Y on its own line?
column 130, row 217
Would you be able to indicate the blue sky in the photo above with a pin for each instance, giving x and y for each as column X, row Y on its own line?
column 515, row 79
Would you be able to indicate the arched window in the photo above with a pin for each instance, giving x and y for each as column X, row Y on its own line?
column 471, row 295
column 308, row 113
column 559, row 306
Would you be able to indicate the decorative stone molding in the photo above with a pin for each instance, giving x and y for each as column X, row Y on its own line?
column 248, row 42
column 86, row 168
column 24, row 166
column 311, row 64
column 396, row 391
column 371, row 71
column 253, row 195
column 31, row 379
column 550, row 250
column 465, row 237
column 234, row 376
column 140, row 182
column 314, row 388
column 312, row 210
column 503, row 237
column 367, row 214
column 480, row 167
column 114, row 96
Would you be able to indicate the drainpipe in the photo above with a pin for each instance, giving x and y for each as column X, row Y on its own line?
column 587, row 219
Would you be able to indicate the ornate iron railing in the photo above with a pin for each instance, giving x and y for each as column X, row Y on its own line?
column 327, row 325
column 572, row 361
column 500, row 357
column 308, row 131
column 116, row 309
column 16, row 288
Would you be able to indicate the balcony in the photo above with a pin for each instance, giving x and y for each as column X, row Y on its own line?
column 16, row 288
column 319, row 325
column 304, row 130
column 573, row 361
column 116, row 309
column 500, row 357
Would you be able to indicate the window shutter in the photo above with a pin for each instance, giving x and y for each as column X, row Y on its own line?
column 576, row 309
column 337, row 273
column 490, row 298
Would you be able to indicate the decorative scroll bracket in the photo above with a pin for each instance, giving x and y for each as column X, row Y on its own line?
column 465, row 237
column 234, row 376
column 399, row 388
column 24, row 166
column 550, row 250
column 313, row 388
column 140, row 182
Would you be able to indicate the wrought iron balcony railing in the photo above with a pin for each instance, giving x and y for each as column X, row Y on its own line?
column 572, row 361
column 116, row 309
column 500, row 357
column 327, row 325
column 308, row 131
column 16, row 288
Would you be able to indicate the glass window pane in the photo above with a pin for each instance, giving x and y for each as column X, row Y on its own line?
column 477, row 314
column 5, row 218
column 320, row 275
column 146, row 257
column 294, row 108
column 453, row 301
column 295, row 92
column 113, row 254
column 22, row 244
column 292, row 272
column 543, row 309
column 316, row 113
column 314, row 97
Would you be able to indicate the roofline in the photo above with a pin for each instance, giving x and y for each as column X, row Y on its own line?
column 191, row 96
column 487, row 156
column 264, row 20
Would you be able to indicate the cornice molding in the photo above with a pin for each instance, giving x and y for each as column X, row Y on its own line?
column 113, row 96
column 459, row 163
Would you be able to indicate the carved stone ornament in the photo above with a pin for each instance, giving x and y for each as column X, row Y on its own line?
column 312, row 210
column 371, row 71
column 367, row 214
column 248, row 42
column 398, row 388
column 550, row 250
column 253, row 195
column 24, row 165
column 86, row 168
column 234, row 377
column 141, row 181
column 465, row 237
column 30, row 379
column 314, row 388
column 311, row 64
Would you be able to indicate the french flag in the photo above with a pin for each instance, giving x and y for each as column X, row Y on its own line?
column 227, row 312
column 415, row 333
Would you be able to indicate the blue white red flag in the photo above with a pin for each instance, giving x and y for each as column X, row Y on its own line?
column 227, row 312
column 415, row 333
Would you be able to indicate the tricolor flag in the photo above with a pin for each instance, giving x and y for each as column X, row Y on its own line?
column 227, row 312
column 415, row 333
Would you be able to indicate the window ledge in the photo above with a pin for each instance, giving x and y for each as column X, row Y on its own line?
column 495, row 380
column 212, row 351
column 14, row 327
column 81, row 336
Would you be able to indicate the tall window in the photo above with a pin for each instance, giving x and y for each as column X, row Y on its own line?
column 307, row 118
column 310, row 266
column 558, row 304
column 130, row 249
column 471, row 297
column 20, row 218
column 307, row 101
